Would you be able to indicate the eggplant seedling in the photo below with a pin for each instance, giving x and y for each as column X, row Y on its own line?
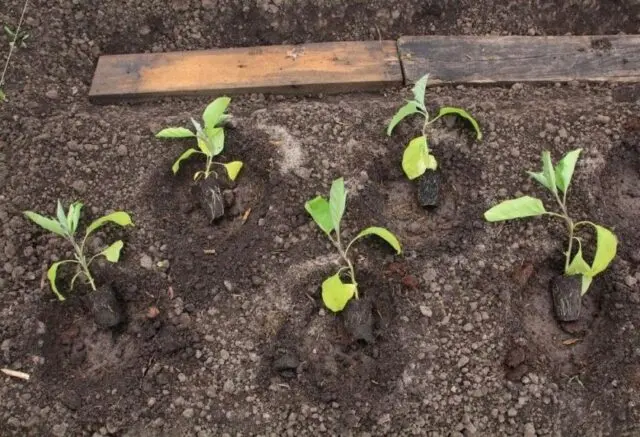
column 417, row 157
column 327, row 214
column 210, row 140
column 556, row 180
column 66, row 225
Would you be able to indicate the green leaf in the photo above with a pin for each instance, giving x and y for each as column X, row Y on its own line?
column 45, row 223
column 319, row 210
column 217, row 140
column 548, row 171
column 606, row 248
column 62, row 217
column 52, row 274
column 3, row 96
column 538, row 176
column 213, row 113
column 336, row 294
column 578, row 265
column 176, row 165
column 448, row 110
column 564, row 169
column 586, row 282
column 112, row 253
column 337, row 202
column 524, row 206
column 416, row 158
column 408, row 109
column 120, row 218
column 233, row 168
column 419, row 90
column 73, row 217
column 382, row 233
column 204, row 147
column 175, row 132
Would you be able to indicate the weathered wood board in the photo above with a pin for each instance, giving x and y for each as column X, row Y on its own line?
column 507, row 59
column 319, row 67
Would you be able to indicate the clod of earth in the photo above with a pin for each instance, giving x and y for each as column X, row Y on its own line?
column 429, row 188
column 566, row 294
column 286, row 364
column 106, row 310
column 358, row 320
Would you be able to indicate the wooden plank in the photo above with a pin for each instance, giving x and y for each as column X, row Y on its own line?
column 507, row 59
column 309, row 68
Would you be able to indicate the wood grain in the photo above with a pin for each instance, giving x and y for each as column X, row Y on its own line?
column 319, row 67
column 507, row 59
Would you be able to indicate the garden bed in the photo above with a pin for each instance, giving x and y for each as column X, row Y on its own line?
column 226, row 332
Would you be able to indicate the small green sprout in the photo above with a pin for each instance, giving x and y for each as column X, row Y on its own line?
column 417, row 157
column 210, row 139
column 16, row 38
column 327, row 215
column 3, row 96
column 65, row 225
column 557, row 179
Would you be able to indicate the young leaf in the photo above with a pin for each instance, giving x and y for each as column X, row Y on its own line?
column 382, row 233
column 73, row 217
column 204, row 147
column 337, row 202
column 548, row 171
column 564, row 169
column 176, row 165
column 586, row 282
column 3, row 96
column 524, row 206
column 175, row 132
column 408, row 109
column 336, row 294
column 538, row 176
column 217, row 141
column 62, row 217
column 112, row 253
column 416, row 158
column 214, row 111
column 419, row 90
column 319, row 210
column 120, row 218
column 578, row 265
column 606, row 247
column 52, row 274
column 448, row 110
column 233, row 168
column 45, row 223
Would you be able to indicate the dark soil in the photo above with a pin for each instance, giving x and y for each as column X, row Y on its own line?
column 224, row 331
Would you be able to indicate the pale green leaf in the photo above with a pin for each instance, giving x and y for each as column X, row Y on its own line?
column 73, row 216
column 336, row 294
column 62, row 217
column 112, row 253
column 197, row 175
column 45, row 223
column 212, row 115
column 448, row 110
column 176, row 165
column 525, row 206
column 3, row 96
column 586, row 282
column 408, row 109
column 538, row 176
column 175, row 132
column 578, row 265
column 382, row 233
column 233, row 168
column 419, row 90
column 432, row 163
column 564, row 169
column 120, row 218
column 337, row 202
column 416, row 158
column 319, row 210
column 203, row 145
column 606, row 248
column 52, row 273
column 548, row 171
column 217, row 141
